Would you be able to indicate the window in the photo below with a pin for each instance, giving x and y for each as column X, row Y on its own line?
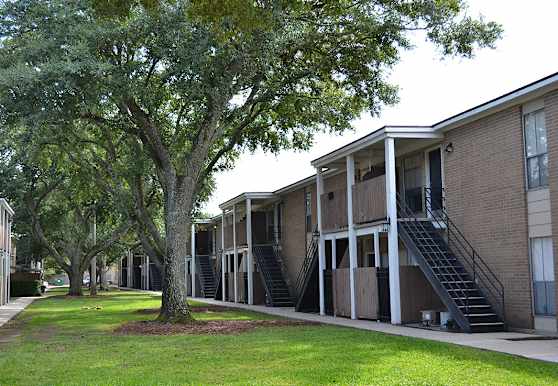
column 308, row 209
column 542, row 265
column 535, row 149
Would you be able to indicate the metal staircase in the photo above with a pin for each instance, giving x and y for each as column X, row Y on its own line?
column 208, row 284
column 463, row 281
column 276, row 288
column 155, row 279
column 307, row 278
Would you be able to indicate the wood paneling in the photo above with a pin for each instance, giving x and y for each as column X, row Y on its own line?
column 366, row 293
column 369, row 200
column 259, row 289
column 341, row 292
column 242, row 287
column 334, row 207
column 230, row 286
column 228, row 236
column 416, row 294
column 240, row 234
column 366, row 283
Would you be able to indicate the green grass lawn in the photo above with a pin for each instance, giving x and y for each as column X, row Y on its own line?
column 68, row 341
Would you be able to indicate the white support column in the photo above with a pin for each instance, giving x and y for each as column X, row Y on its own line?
column 321, row 243
column 193, row 255
column 119, row 277
column 351, row 233
column 377, row 256
column 393, row 234
column 334, row 254
column 8, row 263
column 235, row 256
column 223, row 264
column 130, row 269
column 250, row 260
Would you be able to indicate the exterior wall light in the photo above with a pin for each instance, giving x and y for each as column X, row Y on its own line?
column 449, row 147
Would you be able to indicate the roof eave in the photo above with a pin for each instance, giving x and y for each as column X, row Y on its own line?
column 244, row 196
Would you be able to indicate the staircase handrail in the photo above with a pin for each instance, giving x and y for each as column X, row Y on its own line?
column 307, row 262
column 263, row 272
column 199, row 271
column 407, row 213
column 481, row 272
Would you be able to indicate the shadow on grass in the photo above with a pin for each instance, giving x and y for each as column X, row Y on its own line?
column 74, row 338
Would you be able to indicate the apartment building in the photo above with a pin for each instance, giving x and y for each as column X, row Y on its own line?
column 7, row 253
column 456, row 216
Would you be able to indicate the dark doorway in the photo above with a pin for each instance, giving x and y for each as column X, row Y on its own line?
column 435, row 172
column 383, row 294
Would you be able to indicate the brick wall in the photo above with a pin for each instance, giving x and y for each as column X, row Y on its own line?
column 293, row 232
column 551, row 117
column 485, row 190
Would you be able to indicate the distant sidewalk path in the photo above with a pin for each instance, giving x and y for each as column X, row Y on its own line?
column 14, row 307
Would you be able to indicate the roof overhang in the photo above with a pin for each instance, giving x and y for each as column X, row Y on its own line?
column 376, row 137
column 296, row 185
column 245, row 196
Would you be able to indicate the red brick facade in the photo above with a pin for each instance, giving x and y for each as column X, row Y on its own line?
column 486, row 198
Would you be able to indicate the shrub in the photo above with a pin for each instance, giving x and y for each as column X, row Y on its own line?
column 25, row 288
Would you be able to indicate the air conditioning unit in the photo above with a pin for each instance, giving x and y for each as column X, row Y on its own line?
column 430, row 317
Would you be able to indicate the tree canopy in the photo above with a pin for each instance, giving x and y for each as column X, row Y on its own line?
column 185, row 86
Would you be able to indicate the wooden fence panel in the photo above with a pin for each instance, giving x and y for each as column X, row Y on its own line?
column 416, row 294
column 367, row 301
column 369, row 200
column 342, row 294
column 334, row 209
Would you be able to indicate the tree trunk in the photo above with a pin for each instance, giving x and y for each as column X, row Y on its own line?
column 178, row 203
column 76, row 282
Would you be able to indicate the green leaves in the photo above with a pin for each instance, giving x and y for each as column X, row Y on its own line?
column 174, row 90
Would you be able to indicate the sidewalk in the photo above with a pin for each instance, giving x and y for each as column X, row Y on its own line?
column 546, row 350
column 14, row 307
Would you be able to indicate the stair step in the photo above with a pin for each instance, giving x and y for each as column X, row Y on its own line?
column 487, row 324
column 476, row 306
column 461, row 289
column 458, row 282
column 446, row 267
column 479, row 315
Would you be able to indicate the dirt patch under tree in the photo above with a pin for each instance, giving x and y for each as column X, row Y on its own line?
column 213, row 327
column 150, row 311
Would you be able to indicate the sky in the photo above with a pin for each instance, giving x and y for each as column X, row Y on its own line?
column 430, row 89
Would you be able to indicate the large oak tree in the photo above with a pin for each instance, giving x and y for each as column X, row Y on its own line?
column 190, row 84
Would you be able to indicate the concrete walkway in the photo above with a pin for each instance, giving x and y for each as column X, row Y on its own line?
column 546, row 350
column 14, row 307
